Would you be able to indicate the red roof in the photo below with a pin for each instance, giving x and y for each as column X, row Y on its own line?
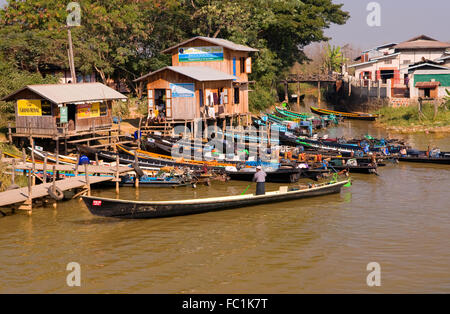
column 427, row 84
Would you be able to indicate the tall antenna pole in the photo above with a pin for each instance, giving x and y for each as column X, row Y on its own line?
column 71, row 62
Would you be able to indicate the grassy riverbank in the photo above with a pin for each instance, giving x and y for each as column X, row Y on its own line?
column 408, row 119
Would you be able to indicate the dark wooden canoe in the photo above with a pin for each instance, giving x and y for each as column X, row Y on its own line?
column 347, row 115
column 425, row 159
column 108, row 207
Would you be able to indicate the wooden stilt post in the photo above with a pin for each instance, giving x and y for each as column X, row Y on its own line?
column 24, row 156
column 57, row 156
column 318, row 91
column 76, row 166
column 286, row 87
column 54, row 185
column 117, row 173
column 13, row 175
column 139, row 133
column 33, row 166
column 9, row 133
column 44, row 174
column 136, row 178
column 86, row 175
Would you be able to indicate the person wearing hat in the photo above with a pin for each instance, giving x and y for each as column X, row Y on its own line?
column 260, row 179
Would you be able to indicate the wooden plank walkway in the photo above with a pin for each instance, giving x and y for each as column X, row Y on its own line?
column 18, row 196
column 92, row 169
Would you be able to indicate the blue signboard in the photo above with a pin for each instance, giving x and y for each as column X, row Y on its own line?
column 186, row 90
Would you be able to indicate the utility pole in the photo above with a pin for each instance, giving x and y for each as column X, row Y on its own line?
column 70, row 52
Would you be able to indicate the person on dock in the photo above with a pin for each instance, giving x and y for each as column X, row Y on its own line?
column 260, row 179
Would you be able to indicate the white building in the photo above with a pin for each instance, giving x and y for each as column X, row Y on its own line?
column 399, row 63
column 391, row 61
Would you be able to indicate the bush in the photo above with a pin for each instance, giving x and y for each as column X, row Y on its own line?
column 260, row 98
column 409, row 115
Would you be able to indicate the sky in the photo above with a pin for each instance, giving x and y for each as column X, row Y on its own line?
column 400, row 20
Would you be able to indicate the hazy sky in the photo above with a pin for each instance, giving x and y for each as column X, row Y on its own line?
column 400, row 20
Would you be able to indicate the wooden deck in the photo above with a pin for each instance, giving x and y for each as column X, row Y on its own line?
column 92, row 169
column 18, row 196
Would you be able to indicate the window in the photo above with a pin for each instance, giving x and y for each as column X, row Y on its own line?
column 236, row 95
column 46, row 108
column 242, row 65
column 103, row 109
column 388, row 61
column 406, row 61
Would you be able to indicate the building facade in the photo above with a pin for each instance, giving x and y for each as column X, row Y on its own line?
column 208, row 79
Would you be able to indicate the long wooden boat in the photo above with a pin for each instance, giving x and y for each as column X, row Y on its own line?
column 421, row 157
column 108, row 207
column 347, row 115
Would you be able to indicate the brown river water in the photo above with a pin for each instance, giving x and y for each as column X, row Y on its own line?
column 399, row 219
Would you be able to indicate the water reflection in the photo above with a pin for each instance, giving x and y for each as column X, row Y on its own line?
column 399, row 219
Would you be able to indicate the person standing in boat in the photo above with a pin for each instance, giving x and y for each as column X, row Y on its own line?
column 260, row 179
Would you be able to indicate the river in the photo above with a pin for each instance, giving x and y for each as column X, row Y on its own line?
column 399, row 219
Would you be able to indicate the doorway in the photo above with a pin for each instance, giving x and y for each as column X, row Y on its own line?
column 160, row 103
column 386, row 75
column 71, row 117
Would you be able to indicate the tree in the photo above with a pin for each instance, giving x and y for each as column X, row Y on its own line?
column 122, row 39
column 333, row 59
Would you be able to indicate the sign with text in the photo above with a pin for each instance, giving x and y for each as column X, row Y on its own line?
column 29, row 107
column 195, row 54
column 88, row 110
column 185, row 90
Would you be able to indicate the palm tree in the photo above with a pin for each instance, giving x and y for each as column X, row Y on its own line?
column 333, row 58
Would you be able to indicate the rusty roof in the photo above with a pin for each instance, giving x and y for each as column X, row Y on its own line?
column 427, row 84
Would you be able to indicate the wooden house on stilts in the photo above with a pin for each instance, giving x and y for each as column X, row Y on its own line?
column 207, row 82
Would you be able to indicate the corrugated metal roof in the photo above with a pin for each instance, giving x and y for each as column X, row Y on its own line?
column 71, row 93
column 216, row 41
column 198, row 73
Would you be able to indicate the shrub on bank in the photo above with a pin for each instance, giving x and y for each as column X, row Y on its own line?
column 409, row 115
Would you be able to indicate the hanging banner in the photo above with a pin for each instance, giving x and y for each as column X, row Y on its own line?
column 182, row 90
column 195, row 54
column 29, row 107
column 88, row 110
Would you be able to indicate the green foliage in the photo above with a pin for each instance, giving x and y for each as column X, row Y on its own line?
column 260, row 98
column 120, row 109
column 408, row 116
column 12, row 79
column 333, row 59
column 124, row 39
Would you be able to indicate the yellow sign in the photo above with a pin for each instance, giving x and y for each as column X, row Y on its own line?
column 29, row 107
column 88, row 110
column 95, row 110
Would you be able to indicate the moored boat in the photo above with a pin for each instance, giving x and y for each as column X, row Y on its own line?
column 347, row 115
column 108, row 207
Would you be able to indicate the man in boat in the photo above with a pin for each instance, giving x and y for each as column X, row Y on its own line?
column 260, row 179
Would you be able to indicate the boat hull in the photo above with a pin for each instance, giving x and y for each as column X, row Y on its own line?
column 138, row 210
column 345, row 115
